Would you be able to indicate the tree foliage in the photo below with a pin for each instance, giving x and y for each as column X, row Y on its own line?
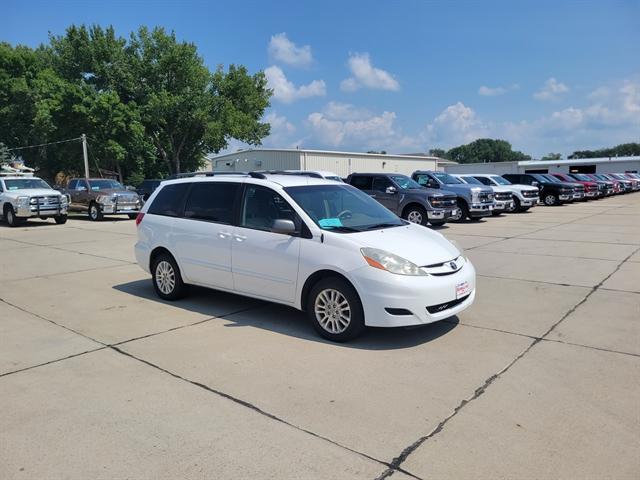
column 552, row 156
column 485, row 150
column 622, row 150
column 148, row 104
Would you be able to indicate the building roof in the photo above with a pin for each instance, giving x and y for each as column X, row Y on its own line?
column 332, row 152
column 578, row 161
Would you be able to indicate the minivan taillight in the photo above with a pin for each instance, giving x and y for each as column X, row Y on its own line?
column 139, row 218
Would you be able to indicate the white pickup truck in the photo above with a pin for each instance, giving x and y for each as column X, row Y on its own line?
column 23, row 197
column 524, row 196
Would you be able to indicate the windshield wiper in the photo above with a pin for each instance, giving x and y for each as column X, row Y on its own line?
column 341, row 229
column 383, row 225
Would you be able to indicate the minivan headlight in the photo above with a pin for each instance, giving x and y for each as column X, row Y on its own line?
column 390, row 262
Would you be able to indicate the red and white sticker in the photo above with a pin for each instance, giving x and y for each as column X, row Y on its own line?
column 462, row 289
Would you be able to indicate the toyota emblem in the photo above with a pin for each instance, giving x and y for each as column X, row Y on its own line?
column 453, row 265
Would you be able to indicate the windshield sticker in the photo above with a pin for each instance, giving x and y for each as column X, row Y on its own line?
column 329, row 222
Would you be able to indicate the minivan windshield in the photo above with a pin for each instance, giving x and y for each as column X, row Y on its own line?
column 25, row 183
column 98, row 185
column 342, row 208
column 405, row 182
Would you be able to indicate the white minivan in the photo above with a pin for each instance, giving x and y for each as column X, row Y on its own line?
column 317, row 245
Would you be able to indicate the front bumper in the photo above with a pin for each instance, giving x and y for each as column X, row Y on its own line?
column 120, row 208
column 42, row 211
column 480, row 209
column 442, row 214
column 578, row 196
column 381, row 291
column 501, row 206
column 565, row 198
column 592, row 194
column 529, row 201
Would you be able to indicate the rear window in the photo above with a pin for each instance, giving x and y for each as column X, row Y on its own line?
column 169, row 200
column 211, row 201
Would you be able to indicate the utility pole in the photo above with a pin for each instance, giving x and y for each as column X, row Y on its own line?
column 86, row 157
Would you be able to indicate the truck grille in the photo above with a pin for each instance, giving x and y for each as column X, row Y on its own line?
column 443, row 202
column 529, row 193
column 485, row 197
column 127, row 198
column 45, row 202
column 503, row 196
column 579, row 188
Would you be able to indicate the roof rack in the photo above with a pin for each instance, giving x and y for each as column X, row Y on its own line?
column 303, row 173
column 214, row 174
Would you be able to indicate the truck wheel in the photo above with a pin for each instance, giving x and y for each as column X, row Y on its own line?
column 415, row 214
column 437, row 224
column 10, row 217
column 60, row 219
column 94, row 212
column 335, row 310
column 550, row 199
column 167, row 280
column 464, row 210
column 460, row 215
column 514, row 205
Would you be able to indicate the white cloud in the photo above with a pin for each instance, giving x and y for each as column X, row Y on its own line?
column 281, row 49
column 371, row 132
column 286, row 92
column 282, row 130
column 344, row 111
column 551, row 90
column 456, row 124
column 364, row 74
column 491, row 92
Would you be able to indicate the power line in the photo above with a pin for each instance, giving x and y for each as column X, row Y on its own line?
column 45, row 144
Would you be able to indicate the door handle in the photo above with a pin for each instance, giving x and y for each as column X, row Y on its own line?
column 240, row 238
column 224, row 234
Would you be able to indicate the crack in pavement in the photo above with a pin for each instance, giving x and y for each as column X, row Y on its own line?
column 397, row 461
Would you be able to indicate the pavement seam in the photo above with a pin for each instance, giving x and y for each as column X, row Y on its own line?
column 397, row 461
column 51, row 275
column 52, row 361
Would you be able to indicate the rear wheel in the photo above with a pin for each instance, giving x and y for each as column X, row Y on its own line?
column 335, row 310
column 60, row 219
column 415, row 214
column 10, row 217
column 94, row 212
column 167, row 280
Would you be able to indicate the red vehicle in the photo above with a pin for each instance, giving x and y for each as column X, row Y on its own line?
column 617, row 185
column 591, row 189
column 609, row 185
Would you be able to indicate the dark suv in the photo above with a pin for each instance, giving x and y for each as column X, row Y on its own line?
column 406, row 198
column 551, row 193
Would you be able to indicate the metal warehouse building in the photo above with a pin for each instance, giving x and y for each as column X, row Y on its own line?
column 342, row 163
column 577, row 165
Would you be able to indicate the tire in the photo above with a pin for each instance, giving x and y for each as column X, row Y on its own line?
column 132, row 216
column 10, row 217
column 437, row 224
column 495, row 214
column 514, row 208
column 415, row 214
column 524, row 209
column 517, row 206
column 60, row 219
column 167, row 280
column 550, row 199
column 324, row 313
column 463, row 211
column 95, row 215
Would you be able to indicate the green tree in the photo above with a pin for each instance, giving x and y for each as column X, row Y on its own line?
column 622, row 150
column 485, row 150
column 438, row 152
column 552, row 156
column 5, row 153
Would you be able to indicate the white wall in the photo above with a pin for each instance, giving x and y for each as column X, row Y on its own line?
column 345, row 163
column 499, row 168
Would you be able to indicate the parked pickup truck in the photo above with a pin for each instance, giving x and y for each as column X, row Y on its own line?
column 406, row 198
column 591, row 189
column 23, row 197
column 502, row 197
column 551, row 193
column 474, row 201
column 524, row 197
column 100, row 196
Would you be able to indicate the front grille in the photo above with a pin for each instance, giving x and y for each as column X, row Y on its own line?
column 485, row 197
column 45, row 202
column 441, row 307
column 127, row 198
column 579, row 188
column 503, row 196
column 443, row 202
column 530, row 193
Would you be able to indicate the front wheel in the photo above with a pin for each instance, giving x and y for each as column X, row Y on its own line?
column 60, row 219
column 462, row 212
column 415, row 214
column 167, row 280
column 437, row 224
column 550, row 200
column 11, row 218
column 335, row 310
column 94, row 212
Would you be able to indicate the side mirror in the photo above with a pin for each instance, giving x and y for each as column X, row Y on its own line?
column 283, row 226
column 431, row 183
column 391, row 190
column 534, row 184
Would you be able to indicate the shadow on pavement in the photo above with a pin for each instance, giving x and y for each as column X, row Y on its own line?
column 286, row 320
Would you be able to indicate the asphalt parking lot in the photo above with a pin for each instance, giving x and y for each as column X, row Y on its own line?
column 539, row 379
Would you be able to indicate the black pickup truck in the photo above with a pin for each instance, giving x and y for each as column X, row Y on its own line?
column 551, row 193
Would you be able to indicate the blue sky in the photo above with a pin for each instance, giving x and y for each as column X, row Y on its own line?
column 404, row 76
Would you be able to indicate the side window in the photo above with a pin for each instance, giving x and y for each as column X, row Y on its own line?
column 1, row 187
column 81, row 184
column 361, row 182
column 169, row 200
column 422, row 179
column 262, row 206
column 72, row 185
column 211, row 201
column 484, row 180
column 380, row 184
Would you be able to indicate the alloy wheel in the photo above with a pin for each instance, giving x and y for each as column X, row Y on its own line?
column 550, row 200
column 332, row 310
column 165, row 277
column 415, row 216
